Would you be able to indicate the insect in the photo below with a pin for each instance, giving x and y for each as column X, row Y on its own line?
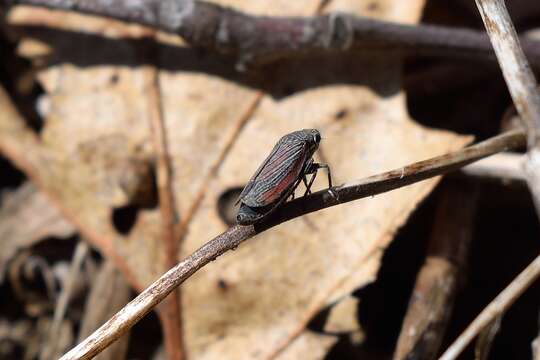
column 275, row 180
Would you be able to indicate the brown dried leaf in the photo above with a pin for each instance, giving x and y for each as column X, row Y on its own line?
column 255, row 302
column 309, row 345
column 343, row 317
column 26, row 217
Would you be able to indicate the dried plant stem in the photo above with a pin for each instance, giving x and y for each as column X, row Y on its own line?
column 536, row 347
column 63, row 300
column 485, row 339
column 230, row 239
column 522, row 86
column 438, row 280
column 505, row 167
column 496, row 308
column 517, row 73
column 263, row 39
column 108, row 293
column 170, row 312
column 520, row 81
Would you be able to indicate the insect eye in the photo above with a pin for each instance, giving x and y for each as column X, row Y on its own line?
column 317, row 137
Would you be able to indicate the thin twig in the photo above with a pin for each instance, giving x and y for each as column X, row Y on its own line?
column 170, row 311
column 439, row 278
column 233, row 237
column 485, row 339
column 517, row 73
column 536, row 346
column 108, row 293
column 520, row 81
column 505, row 167
column 230, row 140
column 63, row 300
column 261, row 39
column 496, row 308
column 522, row 86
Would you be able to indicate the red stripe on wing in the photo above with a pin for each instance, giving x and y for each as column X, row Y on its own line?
column 275, row 192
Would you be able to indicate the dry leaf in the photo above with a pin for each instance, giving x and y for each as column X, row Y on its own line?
column 309, row 345
column 343, row 316
column 255, row 302
column 26, row 217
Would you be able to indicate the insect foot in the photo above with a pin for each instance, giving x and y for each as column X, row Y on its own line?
column 333, row 193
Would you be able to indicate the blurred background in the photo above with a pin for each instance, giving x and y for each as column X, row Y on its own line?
column 93, row 108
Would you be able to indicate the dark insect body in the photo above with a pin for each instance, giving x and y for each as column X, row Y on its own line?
column 275, row 180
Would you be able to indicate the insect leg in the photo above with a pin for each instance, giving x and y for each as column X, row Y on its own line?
column 325, row 166
column 308, row 186
column 330, row 190
column 304, row 180
column 312, row 169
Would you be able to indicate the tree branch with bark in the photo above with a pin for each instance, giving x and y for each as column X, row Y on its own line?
column 258, row 40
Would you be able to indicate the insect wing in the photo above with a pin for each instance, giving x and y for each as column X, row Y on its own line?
column 249, row 186
column 277, row 174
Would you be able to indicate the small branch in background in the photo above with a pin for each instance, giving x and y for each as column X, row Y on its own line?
column 517, row 73
column 522, row 86
column 50, row 347
column 536, row 345
column 440, row 277
column 484, row 341
column 233, row 237
column 495, row 309
column 169, row 311
column 505, row 167
column 259, row 40
column 520, row 81
column 109, row 292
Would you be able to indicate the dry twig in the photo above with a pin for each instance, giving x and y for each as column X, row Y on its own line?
column 233, row 237
column 522, row 85
column 536, row 347
column 496, row 308
column 485, row 339
column 520, row 81
column 109, row 292
column 262, row 39
column 439, row 278
column 50, row 347
column 505, row 167
column 170, row 312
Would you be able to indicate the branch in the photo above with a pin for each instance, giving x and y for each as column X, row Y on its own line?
column 50, row 346
column 108, row 293
column 496, row 308
column 233, row 237
column 536, row 347
column 517, row 73
column 170, row 311
column 522, row 86
column 259, row 40
column 506, row 167
column 439, row 278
